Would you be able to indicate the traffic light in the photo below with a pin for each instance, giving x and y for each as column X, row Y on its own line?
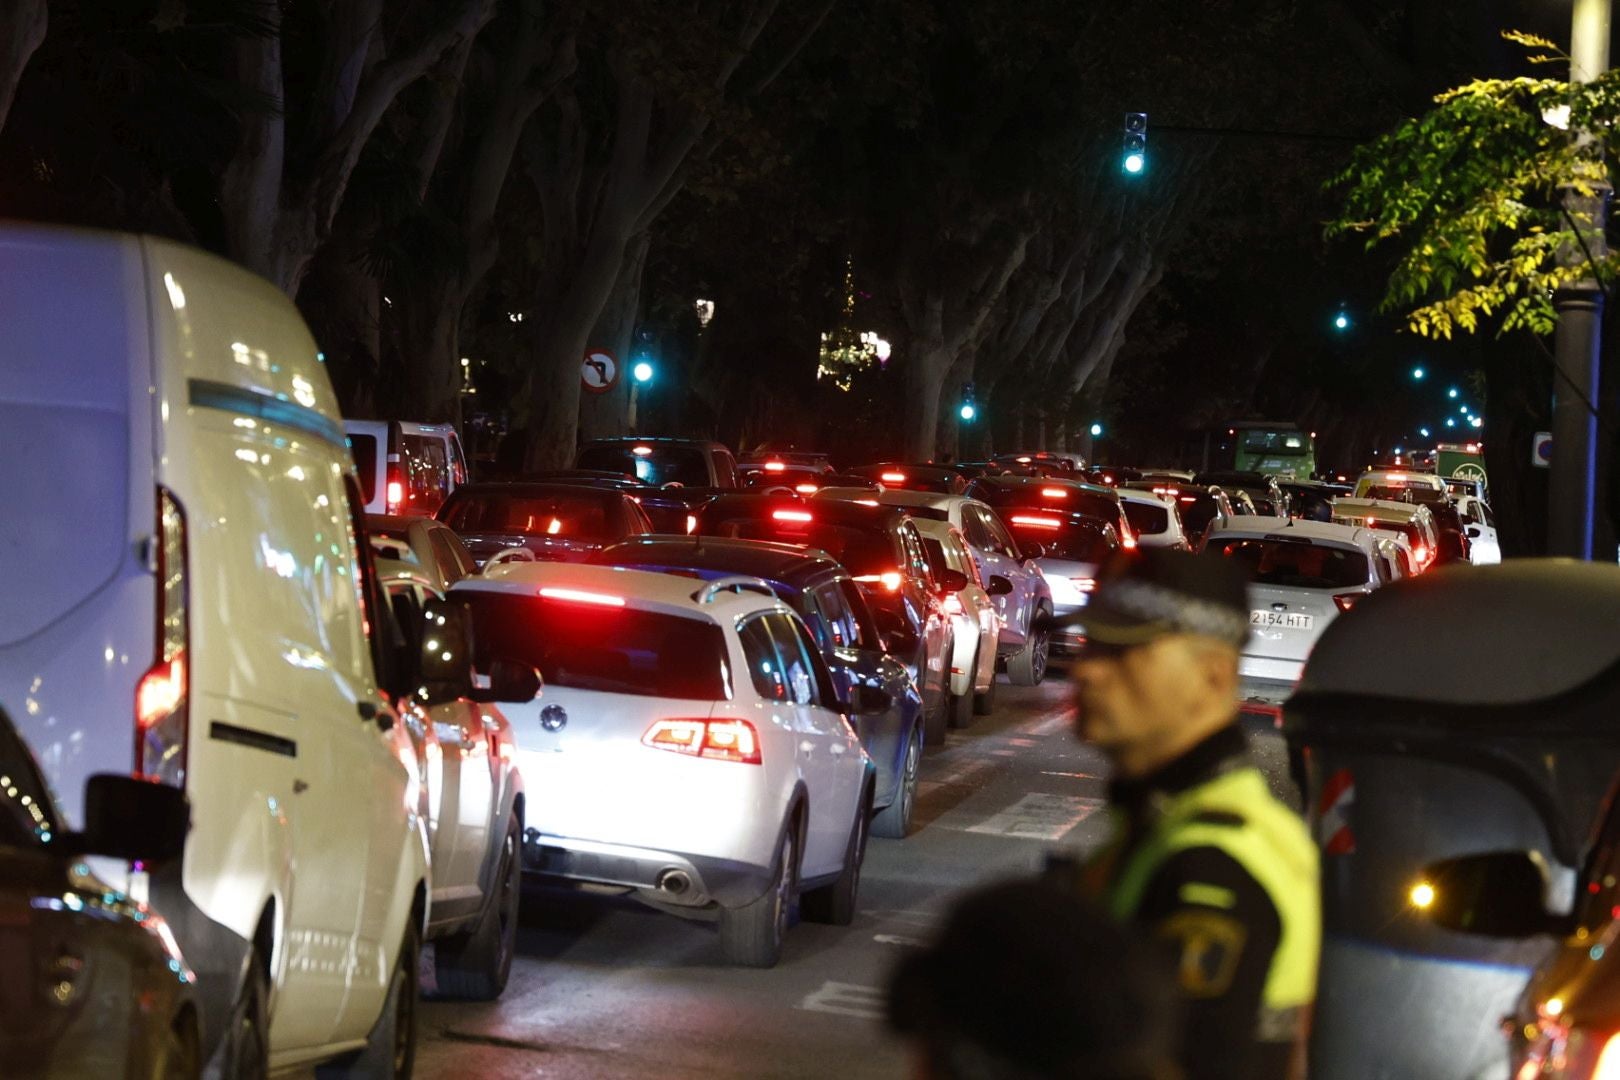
column 644, row 354
column 1135, row 152
column 969, row 409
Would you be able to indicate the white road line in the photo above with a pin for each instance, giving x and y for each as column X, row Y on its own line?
column 1072, row 775
column 1057, row 723
column 897, row 939
column 1039, row 816
column 846, row 999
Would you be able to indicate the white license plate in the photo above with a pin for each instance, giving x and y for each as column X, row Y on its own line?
column 1288, row 620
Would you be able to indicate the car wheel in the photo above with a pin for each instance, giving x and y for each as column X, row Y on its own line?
column 751, row 935
column 1028, row 666
column 179, row 1054
column 474, row 966
column 835, row 903
column 246, row 1053
column 984, row 702
column 390, row 1050
column 893, row 822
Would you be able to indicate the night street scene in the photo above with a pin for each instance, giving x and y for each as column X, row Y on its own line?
column 809, row 540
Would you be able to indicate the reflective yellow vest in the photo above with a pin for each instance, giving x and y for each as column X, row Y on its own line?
column 1236, row 813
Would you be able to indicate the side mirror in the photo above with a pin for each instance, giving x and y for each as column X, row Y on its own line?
column 1030, row 549
column 1495, row 894
column 869, row 700
column 509, row 682
column 952, row 581
column 134, row 820
column 1474, row 532
column 446, row 664
column 999, row 586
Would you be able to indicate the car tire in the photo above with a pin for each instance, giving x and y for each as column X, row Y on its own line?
column 390, row 1050
column 474, row 966
column 179, row 1055
column 245, row 1053
column 1027, row 667
column 751, row 935
column 835, row 903
column 984, row 703
column 893, row 822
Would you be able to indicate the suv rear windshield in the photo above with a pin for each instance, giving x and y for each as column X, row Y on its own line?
column 1076, row 543
column 1145, row 519
column 862, row 551
column 364, row 449
column 682, row 465
column 584, row 516
column 613, row 650
column 1298, row 565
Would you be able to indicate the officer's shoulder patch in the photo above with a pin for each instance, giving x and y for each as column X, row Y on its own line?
column 1208, row 946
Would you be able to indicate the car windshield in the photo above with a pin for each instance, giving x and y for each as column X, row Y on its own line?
column 660, row 465
column 566, row 516
column 1062, row 540
column 1298, row 565
column 592, row 646
column 1147, row 519
column 862, row 551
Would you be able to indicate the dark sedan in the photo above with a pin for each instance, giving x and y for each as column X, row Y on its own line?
column 941, row 479
column 836, row 612
column 556, row 522
column 1100, row 504
column 91, row 982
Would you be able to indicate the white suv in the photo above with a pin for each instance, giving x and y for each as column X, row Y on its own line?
column 689, row 747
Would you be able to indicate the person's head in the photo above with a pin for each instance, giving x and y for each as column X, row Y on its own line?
column 1028, row 981
column 1159, row 668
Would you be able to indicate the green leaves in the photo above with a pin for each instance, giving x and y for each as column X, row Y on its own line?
column 1470, row 191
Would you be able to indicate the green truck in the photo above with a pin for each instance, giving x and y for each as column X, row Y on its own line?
column 1276, row 447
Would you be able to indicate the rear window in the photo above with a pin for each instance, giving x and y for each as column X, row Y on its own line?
column 663, row 465
column 613, row 650
column 1298, row 565
column 364, row 449
column 1146, row 519
column 862, row 551
column 427, row 472
column 581, row 516
column 1076, row 543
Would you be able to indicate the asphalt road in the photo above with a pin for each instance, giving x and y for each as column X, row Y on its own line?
column 604, row 987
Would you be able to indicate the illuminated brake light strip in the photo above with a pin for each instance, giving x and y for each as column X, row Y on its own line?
column 894, row 478
column 807, row 489
column 792, row 515
column 775, row 466
column 580, row 596
column 1037, row 522
column 890, row 580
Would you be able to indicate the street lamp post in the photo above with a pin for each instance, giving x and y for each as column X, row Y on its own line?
column 1572, row 488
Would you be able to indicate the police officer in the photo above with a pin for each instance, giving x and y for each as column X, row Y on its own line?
column 1201, row 854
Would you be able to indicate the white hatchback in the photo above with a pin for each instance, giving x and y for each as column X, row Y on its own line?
column 689, row 747
column 1302, row 575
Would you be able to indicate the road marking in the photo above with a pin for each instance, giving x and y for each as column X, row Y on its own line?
column 1022, row 742
column 1039, row 816
column 846, row 999
column 1072, row 775
column 1055, row 724
column 961, row 774
column 897, row 939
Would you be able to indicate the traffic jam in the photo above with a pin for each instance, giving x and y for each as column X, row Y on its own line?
column 315, row 719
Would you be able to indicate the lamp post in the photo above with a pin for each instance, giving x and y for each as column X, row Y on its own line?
column 1572, row 487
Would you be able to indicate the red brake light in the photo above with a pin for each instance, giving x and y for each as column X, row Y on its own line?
column 1421, row 554
column 718, row 740
column 1346, row 601
column 775, row 466
column 867, row 502
column 580, row 596
column 1396, row 477
column 395, row 487
column 691, row 523
column 807, row 489
column 1037, row 522
column 890, row 580
column 1054, row 493
column 162, row 713
column 160, row 691
column 1608, row 1062
column 800, row 516
column 641, row 451
column 894, row 478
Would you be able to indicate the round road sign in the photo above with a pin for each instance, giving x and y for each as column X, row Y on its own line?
column 600, row 371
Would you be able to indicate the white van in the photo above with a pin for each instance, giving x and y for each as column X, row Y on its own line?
column 183, row 598
column 405, row 468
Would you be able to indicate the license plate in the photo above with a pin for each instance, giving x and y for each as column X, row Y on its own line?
column 1287, row 620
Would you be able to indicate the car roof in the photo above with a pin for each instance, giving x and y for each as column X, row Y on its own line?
column 1316, row 532
column 756, row 558
column 1386, row 506
column 644, row 589
column 1421, row 479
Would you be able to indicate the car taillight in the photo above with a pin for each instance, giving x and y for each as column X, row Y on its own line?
column 1608, row 1062
column 775, row 466
column 890, row 580
column 1037, row 522
column 1054, row 493
column 718, row 740
column 1421, row 554
column 161, row 696
column 797, row 516
column 952, row 604
column 1346, row 601
column 807, row 489
column 396, row 488
column 1127, row 540
column 691, row 523
column 894, row 478
column 580, row 596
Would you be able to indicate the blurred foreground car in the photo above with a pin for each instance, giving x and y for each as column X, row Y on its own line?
column 92, row 983
column 551, row 522
column 691, row 748
column 835, row 611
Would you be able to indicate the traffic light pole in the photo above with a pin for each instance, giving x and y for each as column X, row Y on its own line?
column 1572, row 490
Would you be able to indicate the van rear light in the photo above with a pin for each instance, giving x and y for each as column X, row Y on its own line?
column 162, row 694
column 718, row 740
column 1346, row 601
column 395, row 488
